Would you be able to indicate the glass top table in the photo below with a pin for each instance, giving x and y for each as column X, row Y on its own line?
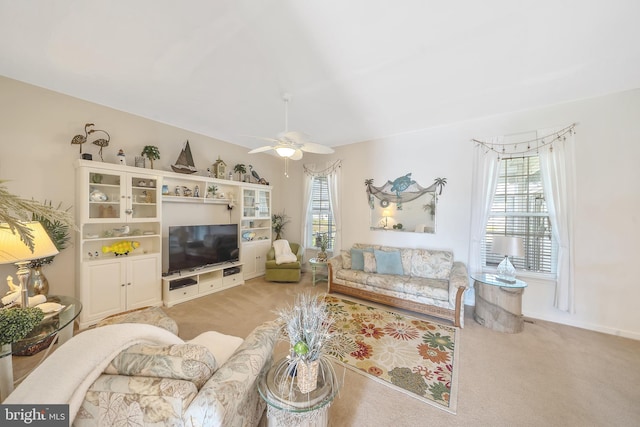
column 287, row 404
column 54, row 325
column 51, row 325
column 492, row 279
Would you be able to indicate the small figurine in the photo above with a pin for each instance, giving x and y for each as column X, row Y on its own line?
column 121, row 157
column 12, row 285
column 196, row 191
column 121, row 248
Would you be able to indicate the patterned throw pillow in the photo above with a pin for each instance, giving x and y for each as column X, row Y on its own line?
column 190, row 362
column 346, row 259
column 369, row 262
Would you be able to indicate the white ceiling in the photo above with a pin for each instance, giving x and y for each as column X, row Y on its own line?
column 356, row 69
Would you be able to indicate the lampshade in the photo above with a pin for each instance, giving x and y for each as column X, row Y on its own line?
column 285, row 151
column 508, row 245
column 13, row 249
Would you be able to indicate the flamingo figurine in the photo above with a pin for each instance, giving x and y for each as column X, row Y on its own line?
column 81, row 139
column 254, row 173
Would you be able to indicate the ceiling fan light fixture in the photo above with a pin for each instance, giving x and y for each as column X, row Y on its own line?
column 285, row 151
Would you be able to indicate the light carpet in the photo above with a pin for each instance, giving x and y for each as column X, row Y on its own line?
column 414, row 356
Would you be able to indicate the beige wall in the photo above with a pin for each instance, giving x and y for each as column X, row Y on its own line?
column 608, row 200
column 36, row 155
column 36, row 127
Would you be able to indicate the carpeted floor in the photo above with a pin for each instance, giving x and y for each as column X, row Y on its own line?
column 548, row 375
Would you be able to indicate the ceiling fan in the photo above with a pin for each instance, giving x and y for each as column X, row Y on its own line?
column 291, row 144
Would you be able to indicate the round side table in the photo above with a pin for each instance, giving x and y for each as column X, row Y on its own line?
column 498, row 303
column 54, row 325
column 288, row 406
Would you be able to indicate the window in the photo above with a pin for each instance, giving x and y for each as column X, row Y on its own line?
column 320, row 217
column 519, row 209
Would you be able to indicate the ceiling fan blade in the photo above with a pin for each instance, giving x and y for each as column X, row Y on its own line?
column 261, row 149
column 294, row 136
column 312, row 147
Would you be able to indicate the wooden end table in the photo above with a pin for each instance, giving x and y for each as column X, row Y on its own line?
column 498, row 303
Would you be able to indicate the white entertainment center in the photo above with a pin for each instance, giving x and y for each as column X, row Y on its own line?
column 184, row 286
column 118, row 206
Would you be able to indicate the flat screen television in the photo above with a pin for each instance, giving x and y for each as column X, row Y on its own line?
column 197, row 246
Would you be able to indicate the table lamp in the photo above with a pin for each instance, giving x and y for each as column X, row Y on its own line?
column 507, row 246
column 386, row 214
column 14, row 250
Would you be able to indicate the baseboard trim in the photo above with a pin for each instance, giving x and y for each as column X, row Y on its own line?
column 588, row 326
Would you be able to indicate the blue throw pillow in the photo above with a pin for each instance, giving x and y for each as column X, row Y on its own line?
column 357, row 258
column 388, row 262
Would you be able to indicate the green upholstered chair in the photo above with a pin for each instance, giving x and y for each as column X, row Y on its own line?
column 287, row 272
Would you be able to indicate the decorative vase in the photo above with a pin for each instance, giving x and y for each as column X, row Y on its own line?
column 38, row 283
column 321, row 256
column 307, row 376
column 140, row 162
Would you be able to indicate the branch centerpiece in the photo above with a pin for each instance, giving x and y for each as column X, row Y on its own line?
column 307, row 326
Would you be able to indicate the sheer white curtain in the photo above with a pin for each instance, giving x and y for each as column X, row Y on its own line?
column 306, row 201
column 332, row 170
column 334, row 180
column 558, row 176
column 485, row 180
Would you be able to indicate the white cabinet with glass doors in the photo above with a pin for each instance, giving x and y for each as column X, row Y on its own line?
column 255, row 229
column 119, row 245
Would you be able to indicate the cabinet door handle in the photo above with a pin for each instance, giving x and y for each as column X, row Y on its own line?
column 129, row 211
column 122, row 285
column 129, row 284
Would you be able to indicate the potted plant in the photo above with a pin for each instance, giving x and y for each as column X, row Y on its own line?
column 16, row 323
column 308, row 327
column 322, row 242
column 279, row 220
column 151, row 152
column 240, row 169
column 58, row 232
column 431, row 206
column 211, row 190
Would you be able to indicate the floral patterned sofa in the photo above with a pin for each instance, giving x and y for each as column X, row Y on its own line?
column 422, row 280
column 141, row 374
column 183, row 384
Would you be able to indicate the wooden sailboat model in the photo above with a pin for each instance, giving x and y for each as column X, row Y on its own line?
column 184, row 164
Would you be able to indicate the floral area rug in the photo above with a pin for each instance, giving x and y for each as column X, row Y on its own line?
column 410, row 355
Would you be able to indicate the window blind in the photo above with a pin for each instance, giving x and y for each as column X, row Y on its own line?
column 321, row 217
column 519, row 209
